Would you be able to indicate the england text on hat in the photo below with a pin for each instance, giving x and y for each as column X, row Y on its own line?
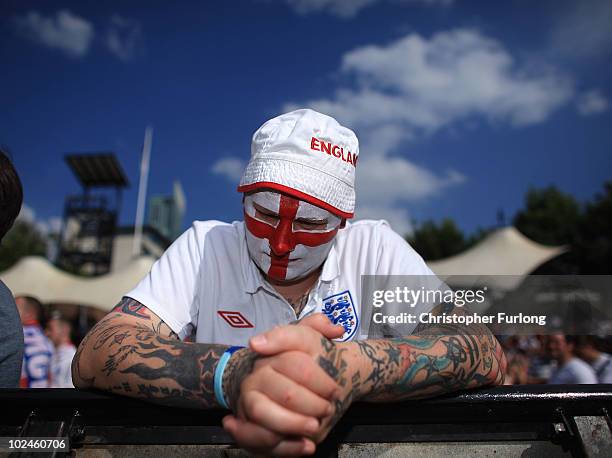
column 333, row 150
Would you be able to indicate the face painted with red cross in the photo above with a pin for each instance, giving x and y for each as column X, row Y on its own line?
column 287, row 238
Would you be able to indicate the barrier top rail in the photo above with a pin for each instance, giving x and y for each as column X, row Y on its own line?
column 503, row 403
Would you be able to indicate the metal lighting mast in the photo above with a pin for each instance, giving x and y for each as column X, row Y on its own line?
column 142, row 191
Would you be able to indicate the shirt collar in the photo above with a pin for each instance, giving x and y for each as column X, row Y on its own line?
column 253, row 279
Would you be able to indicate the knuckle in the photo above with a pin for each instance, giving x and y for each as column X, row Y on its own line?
column 288, row 396
column 256, row 411
column 307, row 372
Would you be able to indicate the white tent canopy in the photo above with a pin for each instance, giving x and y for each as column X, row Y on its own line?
column 504, row 252
column 35, row 276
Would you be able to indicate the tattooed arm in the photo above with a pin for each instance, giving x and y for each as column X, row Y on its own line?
column 131, row 351
column 436, row 359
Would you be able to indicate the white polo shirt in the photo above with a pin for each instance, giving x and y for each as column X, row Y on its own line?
column 206, row 281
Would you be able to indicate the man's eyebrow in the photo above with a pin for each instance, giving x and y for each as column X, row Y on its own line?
column 269, row 212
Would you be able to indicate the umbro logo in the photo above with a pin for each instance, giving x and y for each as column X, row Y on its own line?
column 235, row 319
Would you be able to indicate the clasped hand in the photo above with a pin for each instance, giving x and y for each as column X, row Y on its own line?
column 289, row 402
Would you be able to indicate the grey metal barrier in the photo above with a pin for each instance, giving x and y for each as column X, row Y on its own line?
column 530, row 420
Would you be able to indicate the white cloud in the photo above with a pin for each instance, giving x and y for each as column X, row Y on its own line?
column 66, row 31
column 385, row 184
column 397, row 217
column 591, row 103
column 348, row 8
column 229, row 167
column 381, row 179
column 416, row 86
column 123, row 38
column 583, row 29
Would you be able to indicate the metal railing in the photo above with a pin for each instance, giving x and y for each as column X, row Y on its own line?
column 547, row 420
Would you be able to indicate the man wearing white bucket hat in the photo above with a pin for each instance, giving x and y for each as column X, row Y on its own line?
column 236, row 288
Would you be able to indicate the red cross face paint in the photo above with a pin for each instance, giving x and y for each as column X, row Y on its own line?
column 287, row 238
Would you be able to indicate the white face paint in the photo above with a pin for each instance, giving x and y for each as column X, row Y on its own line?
column 286, row 237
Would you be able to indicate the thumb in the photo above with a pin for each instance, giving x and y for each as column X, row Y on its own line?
column 321, row 323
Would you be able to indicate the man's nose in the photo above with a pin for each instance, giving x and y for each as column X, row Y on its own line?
column 282, row 241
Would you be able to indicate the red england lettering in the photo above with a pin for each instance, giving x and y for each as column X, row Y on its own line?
column 325, row 147
column 335, row 150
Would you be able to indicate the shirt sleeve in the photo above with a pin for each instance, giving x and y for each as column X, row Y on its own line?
column 61, row 373
column 402, row 271
column 169, row 290
column 396, row 256
column 584, row 374
column 605, row 376
column 11, row 340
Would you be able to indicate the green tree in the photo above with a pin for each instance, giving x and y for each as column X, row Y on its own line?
column 476, row 237
column 433, row 241
column 550, row 217
column 22, row 240
column 594, row 245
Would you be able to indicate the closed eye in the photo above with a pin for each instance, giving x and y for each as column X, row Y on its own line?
column 265, row 215
column 310, row 225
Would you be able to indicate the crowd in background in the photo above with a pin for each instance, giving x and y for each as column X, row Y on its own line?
column 48, row 347
column 557, row 359
column 48, row 344
column 534, row 359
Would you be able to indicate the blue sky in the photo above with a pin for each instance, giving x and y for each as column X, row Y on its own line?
column 460, row 106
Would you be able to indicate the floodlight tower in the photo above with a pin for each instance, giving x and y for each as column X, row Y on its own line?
column 90, row 219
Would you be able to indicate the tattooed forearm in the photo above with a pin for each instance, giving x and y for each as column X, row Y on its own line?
column 131, row 351
column 435, row 360
column 334, row 360
column 238, row 367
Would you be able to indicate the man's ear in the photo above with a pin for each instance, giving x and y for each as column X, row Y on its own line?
column 343, row 223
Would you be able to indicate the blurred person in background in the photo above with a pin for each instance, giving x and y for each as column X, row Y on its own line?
column 586, row 349
column 38, row 350
column 541, row 366
column 516, row 372
column 59, row 331
column 518, row 364
column 11, row 333
column 570, row 369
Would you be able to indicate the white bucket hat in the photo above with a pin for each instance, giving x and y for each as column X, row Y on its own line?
column 308, row 155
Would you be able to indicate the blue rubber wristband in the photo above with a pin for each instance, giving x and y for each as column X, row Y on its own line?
column 218, row 382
